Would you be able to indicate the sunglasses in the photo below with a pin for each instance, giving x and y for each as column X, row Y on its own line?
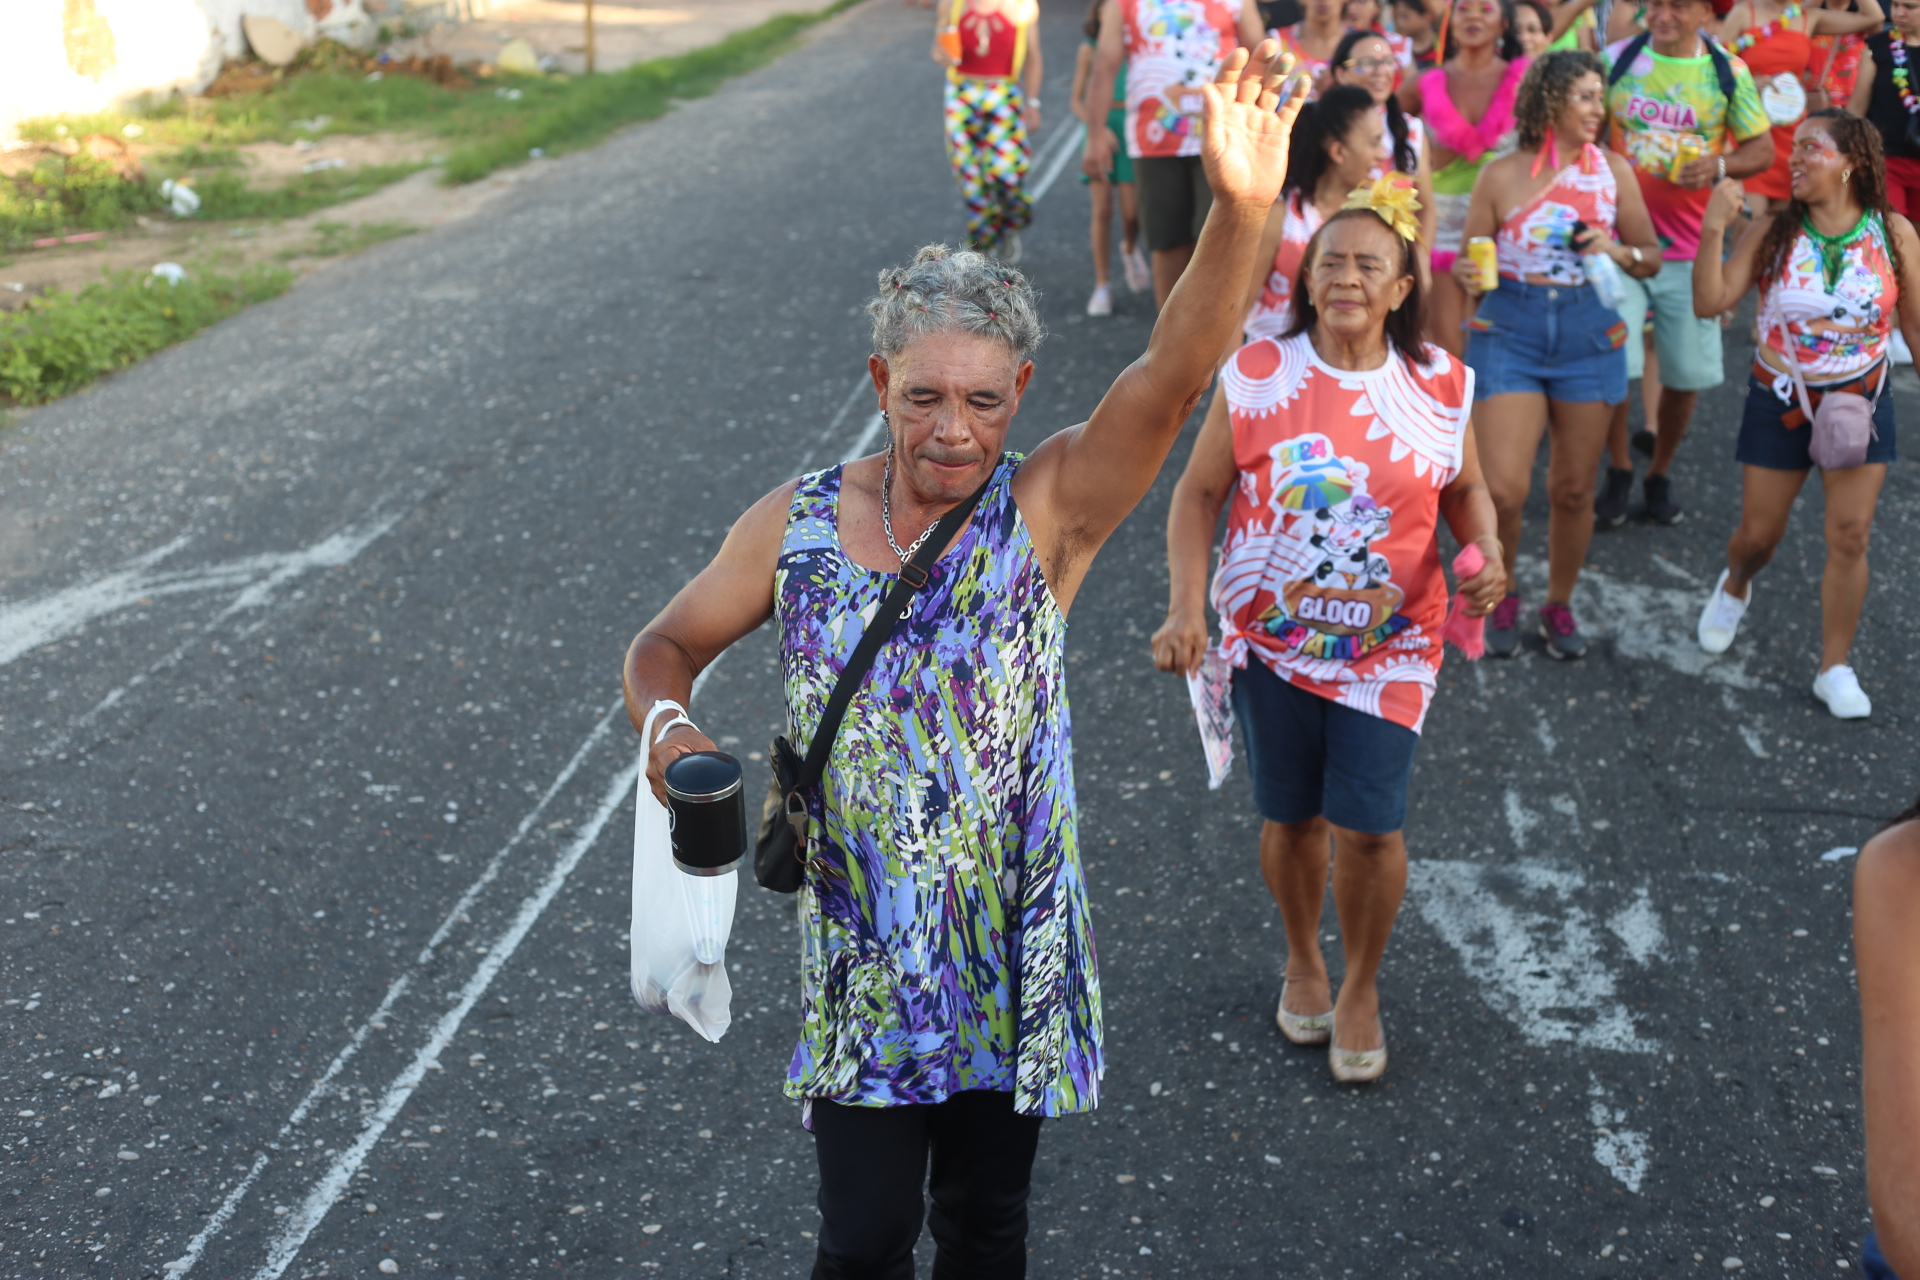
column 1369, row 66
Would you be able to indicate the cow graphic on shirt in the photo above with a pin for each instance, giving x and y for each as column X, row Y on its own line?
column 1333, row 593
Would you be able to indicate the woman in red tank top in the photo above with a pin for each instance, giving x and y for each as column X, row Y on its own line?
column 991, row 49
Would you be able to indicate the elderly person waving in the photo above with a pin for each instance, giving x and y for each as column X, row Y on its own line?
column 1340, row 445
column 949, row 994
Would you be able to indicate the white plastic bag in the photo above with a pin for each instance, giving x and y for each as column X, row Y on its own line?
column 678, row 945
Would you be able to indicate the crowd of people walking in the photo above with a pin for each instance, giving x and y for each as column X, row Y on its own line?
column 1412, row 245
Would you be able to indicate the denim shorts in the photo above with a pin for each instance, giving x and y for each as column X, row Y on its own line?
column 1553, row 340
column 1765, row 442
column 1310, row 756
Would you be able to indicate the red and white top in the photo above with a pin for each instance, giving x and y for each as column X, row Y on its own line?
column 1416, row 143
column 1272, row 313
column 1537, row 238
column 1839, row 330
column 1330, row 572
column 1173, row 47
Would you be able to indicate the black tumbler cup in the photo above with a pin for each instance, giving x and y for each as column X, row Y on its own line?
column 706, row 812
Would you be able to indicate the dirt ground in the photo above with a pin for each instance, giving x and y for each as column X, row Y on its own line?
column 625, row 31
column 416, row 202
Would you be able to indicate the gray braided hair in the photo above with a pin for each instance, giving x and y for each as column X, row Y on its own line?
column 954, row 289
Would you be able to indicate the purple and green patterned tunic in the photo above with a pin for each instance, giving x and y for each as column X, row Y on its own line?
column 945, row 939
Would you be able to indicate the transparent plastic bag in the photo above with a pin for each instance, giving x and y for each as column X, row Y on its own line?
column 678, row 943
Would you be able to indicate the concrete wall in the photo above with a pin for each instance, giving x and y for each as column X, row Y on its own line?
column 67, row 56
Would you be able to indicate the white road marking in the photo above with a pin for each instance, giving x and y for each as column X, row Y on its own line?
column 863, row 443
column 1749, row 734
column 1621, row 1152
column 1068, row 144
column 1835, row 855
column 1655, row 624
column 1673, row 570
column 323, row 1084
column 301, row 1223
column 1536, row 951
column 1520, row 820
column 1638, row 927
column 29, row 624
column 1544, row 731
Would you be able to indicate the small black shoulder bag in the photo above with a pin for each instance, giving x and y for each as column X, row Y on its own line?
column 780, row 855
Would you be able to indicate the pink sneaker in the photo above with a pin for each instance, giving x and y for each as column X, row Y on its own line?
column 1503, row 627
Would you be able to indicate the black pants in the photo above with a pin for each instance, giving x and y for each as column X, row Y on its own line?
column 873, row 1162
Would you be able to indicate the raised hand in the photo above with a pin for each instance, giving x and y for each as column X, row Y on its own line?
column 1247, row 128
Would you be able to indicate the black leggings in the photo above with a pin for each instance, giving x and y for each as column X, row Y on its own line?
column 873, row 1161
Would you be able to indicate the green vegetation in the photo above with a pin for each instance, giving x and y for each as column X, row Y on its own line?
column 63, row 341
column 487, row 124
column 332, row 238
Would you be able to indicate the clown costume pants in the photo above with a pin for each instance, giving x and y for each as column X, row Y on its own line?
column 987, row 145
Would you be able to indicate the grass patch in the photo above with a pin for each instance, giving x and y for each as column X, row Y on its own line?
column 64, row 341
column 334, row 238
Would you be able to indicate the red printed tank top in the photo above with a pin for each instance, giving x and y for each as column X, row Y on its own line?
column 1272, row 312
column 1330, row 571
column 1537, row 238
column 990, row 45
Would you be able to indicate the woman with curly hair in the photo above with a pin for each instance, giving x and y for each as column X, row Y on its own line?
column 1549, row 353
column 1834, row 269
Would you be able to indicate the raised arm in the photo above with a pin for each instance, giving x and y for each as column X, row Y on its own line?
column 1886, row 892
column 1717, row 286
column 728, row 599
column 1203, row 490
column 1863, row 87
column 1565, row 15
column 1084, row 480
column 1838, row 22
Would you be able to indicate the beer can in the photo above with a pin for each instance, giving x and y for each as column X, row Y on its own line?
column 1685, row 152
column 1485, row 256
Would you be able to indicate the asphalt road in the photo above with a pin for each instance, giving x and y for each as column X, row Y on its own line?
column 315, row 805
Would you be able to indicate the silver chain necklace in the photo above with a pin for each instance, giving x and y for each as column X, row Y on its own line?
column 886, row 515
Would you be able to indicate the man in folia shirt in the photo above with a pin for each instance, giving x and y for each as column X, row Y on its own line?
column 1685, row 114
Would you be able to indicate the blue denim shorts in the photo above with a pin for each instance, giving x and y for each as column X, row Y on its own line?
column 1553, row 340
column 1766, row 442
column 1310, row 756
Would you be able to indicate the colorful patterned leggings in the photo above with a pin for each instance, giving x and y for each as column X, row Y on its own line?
column 987, row 145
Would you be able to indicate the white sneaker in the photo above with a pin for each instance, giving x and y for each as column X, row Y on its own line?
column 1840, row 689
column 1008, row 250
column 1101, row 303
column 1140, row 275
column 1901, row 353
column 1721, row 617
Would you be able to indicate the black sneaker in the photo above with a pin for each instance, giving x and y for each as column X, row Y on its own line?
column 1610, row 508
column 1642, row 442
column 1503, row 627
column 1661, row 508
column 1561, row 632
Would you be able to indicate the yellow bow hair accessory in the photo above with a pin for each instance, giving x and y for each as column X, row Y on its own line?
column 1392, row 197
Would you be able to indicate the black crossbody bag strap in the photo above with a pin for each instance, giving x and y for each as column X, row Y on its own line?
column 913, row 576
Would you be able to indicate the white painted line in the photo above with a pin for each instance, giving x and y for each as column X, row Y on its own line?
column 287, row 1243
column 1835, row 855
column 863, row 443
column 321, row 1086
column 1535, row 952
column 409, row 1079
column 1074, row 139
column 54, row 616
